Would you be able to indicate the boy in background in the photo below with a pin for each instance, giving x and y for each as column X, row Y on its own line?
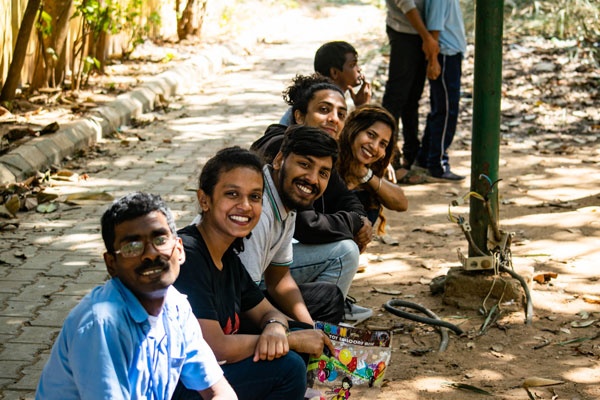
column 339, row 61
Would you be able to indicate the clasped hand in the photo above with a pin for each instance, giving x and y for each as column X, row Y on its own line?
column 310, row 341
column 272, row 343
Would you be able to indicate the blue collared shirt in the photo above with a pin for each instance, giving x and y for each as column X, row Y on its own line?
column 445, row 16
column 108, row 349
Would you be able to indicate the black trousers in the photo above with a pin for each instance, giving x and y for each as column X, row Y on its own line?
column 324, row 301
column 406, row 79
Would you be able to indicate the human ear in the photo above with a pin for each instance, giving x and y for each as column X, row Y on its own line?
column 180, row 251
column 109, row 260
column 203, row 200
column 299, row 117
column 333, row 73
column 278, row 161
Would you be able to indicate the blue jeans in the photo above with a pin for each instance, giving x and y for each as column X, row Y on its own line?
column 441, row 121
column 334, row 262
column 280, row 379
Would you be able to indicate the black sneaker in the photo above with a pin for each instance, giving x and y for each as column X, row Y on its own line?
column 448, row 176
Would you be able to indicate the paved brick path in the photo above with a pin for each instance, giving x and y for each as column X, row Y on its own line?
column 53, row 260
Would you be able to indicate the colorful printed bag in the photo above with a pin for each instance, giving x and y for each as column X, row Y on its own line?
column 361, row 358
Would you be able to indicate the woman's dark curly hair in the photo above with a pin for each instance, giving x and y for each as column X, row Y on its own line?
column 303, row 88
column 359, row 120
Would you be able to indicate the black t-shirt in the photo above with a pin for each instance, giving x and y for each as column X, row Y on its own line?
column 213, row 294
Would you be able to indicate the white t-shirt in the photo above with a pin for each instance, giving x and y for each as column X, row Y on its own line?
column 271, row 239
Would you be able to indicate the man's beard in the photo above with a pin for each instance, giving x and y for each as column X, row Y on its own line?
column 287, row 200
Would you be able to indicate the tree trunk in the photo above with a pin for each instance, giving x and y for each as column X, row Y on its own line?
column 192, row 18
column 16, row 65
column 101, row 50
column 60, row 11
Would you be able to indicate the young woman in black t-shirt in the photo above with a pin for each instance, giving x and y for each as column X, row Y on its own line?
column 221, row 291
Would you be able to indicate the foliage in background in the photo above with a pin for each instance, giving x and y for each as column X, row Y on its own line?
column 577, row 20
column 97, row 18
column 101, row 17
column 130, row 21
column 562, row 19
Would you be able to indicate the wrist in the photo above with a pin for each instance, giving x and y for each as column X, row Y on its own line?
column 377, row 186
column 274, row 323
column 367, row 177
column 361, row 219
column 292, row 340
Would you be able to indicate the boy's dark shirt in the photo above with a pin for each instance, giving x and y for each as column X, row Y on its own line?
column 334, row 216
column 217, row 295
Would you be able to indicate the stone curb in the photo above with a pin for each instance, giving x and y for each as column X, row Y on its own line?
column 42, row 152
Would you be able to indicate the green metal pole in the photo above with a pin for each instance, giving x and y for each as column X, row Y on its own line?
column 485, row 150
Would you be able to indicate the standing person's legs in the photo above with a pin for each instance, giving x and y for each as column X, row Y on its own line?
column 406, row 78
column 280, row 379
column 335, row 262
column 441, row 121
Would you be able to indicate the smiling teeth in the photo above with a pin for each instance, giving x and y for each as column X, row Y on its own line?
column 240, row 218
column 152, row 271
column 305, row 189
column 368, row 152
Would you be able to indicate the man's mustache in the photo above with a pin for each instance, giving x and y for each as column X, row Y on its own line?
column 302, row 182
column 147, row 263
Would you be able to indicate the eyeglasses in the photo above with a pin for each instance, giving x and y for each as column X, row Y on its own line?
column 163, row 244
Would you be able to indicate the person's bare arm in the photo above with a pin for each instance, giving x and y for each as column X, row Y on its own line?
column 431, row 47
column 219, row 391
column 286, row 294
column 391, row 196
column 271, row 343
column 230, row 348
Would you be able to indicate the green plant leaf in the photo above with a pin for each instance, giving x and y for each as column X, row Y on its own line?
column 47, row 18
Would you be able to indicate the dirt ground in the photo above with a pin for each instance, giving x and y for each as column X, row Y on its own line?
column 549, row 159
column 550, row 198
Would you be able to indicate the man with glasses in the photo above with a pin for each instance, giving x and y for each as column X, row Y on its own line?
column 135, row 336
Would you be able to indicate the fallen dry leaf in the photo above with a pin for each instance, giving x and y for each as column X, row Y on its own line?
column 545, row 277
column 13, row 204
column 65, row 175
column 386, row 291
column 588, row 298
column 50, row 128
column 43, row 197
column 583, row 324
column 4, row 213
column 471, row 388
column 88, row 198
column 537, row 382
column 46, row 208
